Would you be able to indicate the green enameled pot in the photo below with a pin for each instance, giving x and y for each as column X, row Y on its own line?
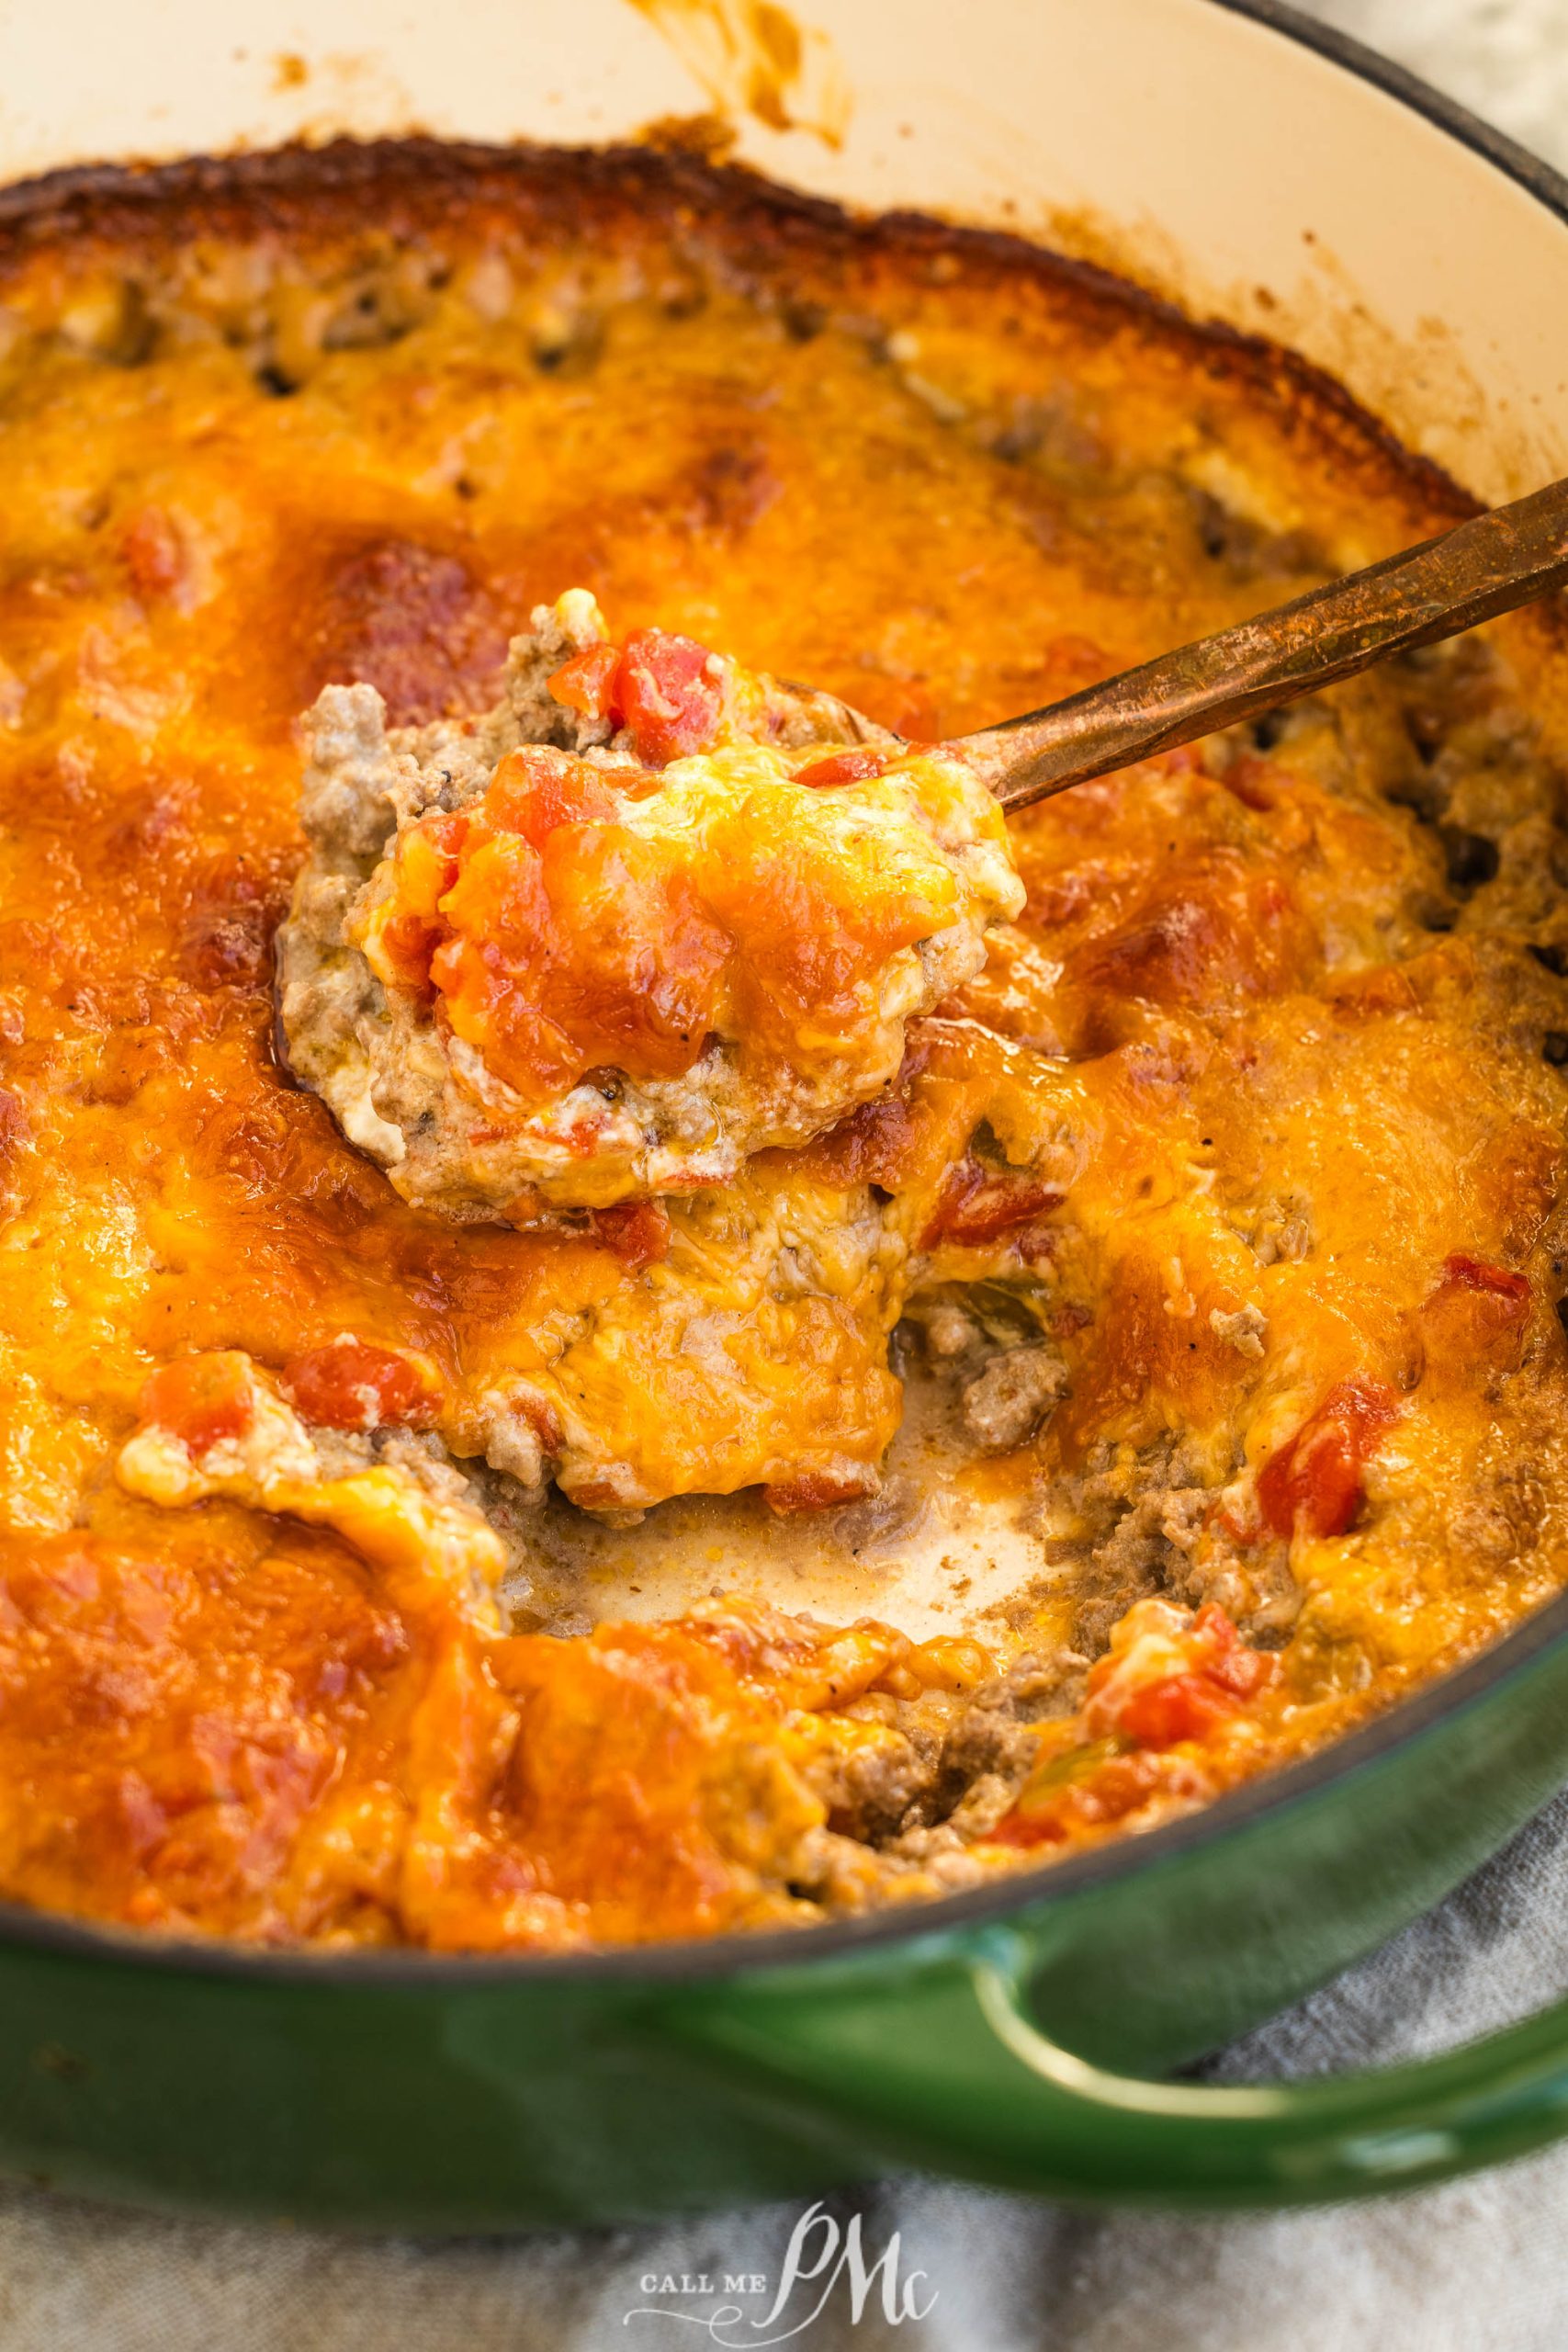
column 1025, row 2034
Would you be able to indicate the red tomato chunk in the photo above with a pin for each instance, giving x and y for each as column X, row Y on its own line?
column 667, row 689
column 1314, row 1482
column 587, row 682
column 1461, row 1272
column 843, row 767
column 638, row 1231
column 200, row 1399
column 980, row 1204
column 669, row 699
column 350, row 1386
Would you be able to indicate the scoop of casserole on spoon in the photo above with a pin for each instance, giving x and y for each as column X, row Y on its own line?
column 655, row 913
column 646, row 918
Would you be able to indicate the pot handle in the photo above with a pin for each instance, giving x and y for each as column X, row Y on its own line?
column 944, row 2067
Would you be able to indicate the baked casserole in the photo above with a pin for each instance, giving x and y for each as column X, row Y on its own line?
column 1169, row 1209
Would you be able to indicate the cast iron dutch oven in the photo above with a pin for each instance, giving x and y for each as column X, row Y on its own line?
column 1022, row 2034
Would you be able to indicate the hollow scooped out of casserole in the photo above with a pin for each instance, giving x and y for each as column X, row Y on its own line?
column 361, row 1384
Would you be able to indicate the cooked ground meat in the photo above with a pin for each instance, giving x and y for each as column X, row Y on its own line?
column 1244, row 1330
column 1007, row 1401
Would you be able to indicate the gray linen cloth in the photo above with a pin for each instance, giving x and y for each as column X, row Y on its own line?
column 1478, row 2267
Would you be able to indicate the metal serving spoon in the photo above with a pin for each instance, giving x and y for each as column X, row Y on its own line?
column 1499, row 560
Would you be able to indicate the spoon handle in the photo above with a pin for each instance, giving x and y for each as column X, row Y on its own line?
column 1509, row 557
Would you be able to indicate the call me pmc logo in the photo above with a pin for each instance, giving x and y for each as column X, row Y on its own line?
column 818, row 2256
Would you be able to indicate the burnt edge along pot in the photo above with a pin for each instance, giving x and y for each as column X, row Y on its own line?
column 1015, row 2035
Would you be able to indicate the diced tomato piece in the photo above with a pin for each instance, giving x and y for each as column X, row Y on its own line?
column 582, row 1138
column 1474, row 1324
column 979, row 1204
column 201, row 1399
column 1185, row 1706
column 1165, row 1682
column 638, row 1231
column 819, row 1490
column 844, row 767
column 1314, row 1482
column 535, row 791
column 670, row 698
column 1461, row 1272
column 1025, row 1830
column 1162, row 1683
column 351, row 1385
column 1226, row 1656
column 587, row 682
column 408, row 942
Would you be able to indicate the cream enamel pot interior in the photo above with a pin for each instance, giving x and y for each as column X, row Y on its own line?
column 1016, row 2034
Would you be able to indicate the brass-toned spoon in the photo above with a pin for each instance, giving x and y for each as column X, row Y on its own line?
column 1491, row 565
